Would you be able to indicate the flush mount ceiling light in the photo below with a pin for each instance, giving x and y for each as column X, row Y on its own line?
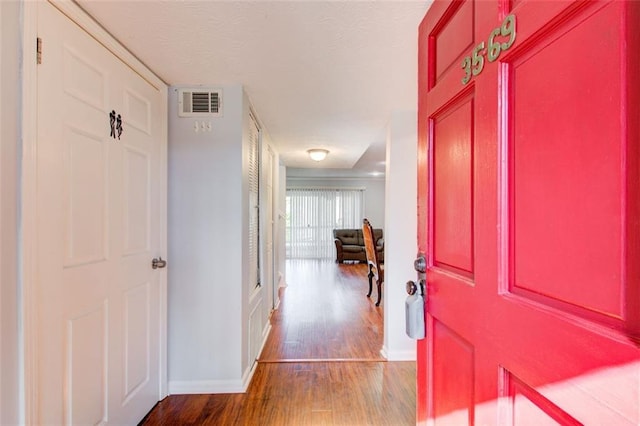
column 318, row 154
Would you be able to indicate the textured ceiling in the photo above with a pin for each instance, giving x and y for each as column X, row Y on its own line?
column 318, row 73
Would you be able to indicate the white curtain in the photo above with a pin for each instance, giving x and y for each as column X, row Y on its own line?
column 313, row 214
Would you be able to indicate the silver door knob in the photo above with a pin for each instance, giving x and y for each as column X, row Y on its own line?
column 158, row 263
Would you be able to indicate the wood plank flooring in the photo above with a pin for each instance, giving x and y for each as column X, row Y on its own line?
column 325, row 314
column 321, row 364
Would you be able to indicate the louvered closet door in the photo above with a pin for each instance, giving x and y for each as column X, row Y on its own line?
column 98, row 229
column 255, row 319
column 254, row 206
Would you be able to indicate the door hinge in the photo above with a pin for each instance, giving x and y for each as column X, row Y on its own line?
column 38, row 50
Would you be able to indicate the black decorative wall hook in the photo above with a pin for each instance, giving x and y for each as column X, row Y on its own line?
column 112, row 119
column 119, row 126
column 115, row 123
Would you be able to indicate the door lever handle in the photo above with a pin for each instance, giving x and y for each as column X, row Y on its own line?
column 158, row 263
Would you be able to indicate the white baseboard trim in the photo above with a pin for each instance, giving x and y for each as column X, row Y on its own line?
column 248, row 375
column 383, row 352
column 265, row 336
column 205, row 386
column 407, row 355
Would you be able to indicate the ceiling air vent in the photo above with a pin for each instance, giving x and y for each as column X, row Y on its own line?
column 198, row 103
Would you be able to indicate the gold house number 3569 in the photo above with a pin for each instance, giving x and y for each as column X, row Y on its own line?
column 474, row 63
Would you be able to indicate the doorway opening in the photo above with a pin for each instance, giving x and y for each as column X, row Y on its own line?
column 324, row 303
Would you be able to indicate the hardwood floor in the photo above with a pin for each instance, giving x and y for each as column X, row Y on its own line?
column 321, row 364
column 324, row 314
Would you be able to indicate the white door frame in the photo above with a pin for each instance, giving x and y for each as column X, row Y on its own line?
column 28, row 205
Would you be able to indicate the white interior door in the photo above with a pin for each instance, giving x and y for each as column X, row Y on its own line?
column 268, row 225
column 99, row 226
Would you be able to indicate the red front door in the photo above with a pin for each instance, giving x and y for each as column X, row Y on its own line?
column 529, row 212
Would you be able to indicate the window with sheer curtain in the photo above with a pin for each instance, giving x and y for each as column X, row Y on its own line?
column 313, row 214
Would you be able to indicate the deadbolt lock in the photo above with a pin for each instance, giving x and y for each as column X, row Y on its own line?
column 420, row 264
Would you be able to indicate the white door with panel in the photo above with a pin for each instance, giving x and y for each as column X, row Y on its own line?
column 100, row 223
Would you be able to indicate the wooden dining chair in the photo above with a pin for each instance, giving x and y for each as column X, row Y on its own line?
column 375, row 270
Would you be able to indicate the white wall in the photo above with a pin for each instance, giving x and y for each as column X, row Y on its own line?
column 374, row 197
column 10, row 118
column 400, row 231
column 205, row 229
column 218, row 318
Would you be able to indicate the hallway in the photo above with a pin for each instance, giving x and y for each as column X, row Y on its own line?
column 321, row 364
